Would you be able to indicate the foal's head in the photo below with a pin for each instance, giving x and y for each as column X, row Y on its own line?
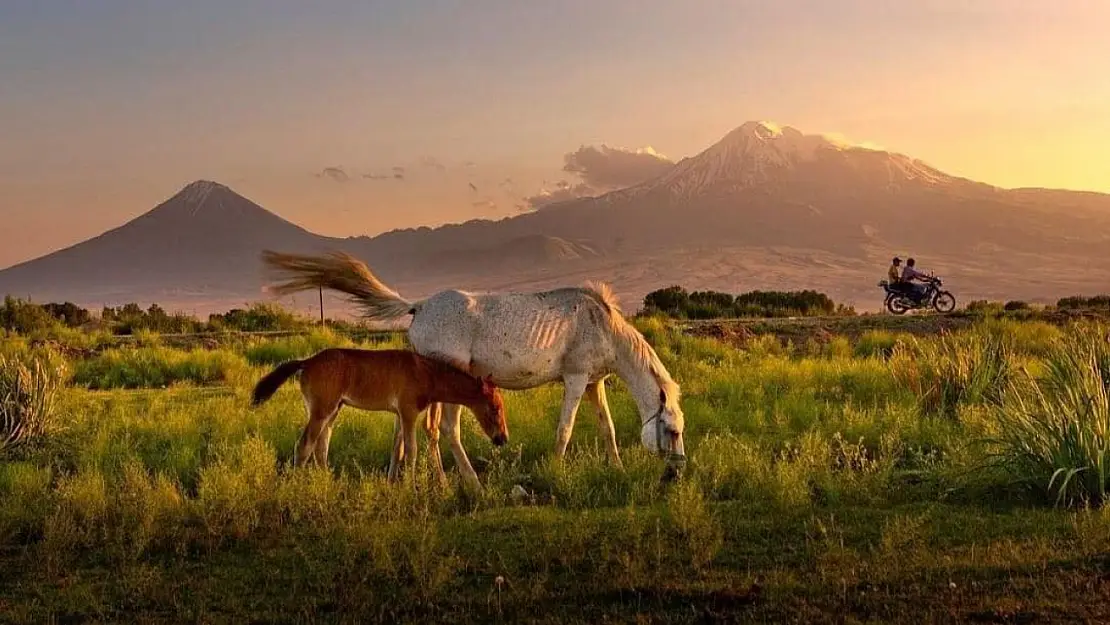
column 490, row 411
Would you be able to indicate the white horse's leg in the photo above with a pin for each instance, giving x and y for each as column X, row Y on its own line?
column 432, row 421
column 595, row 394
column 573, row 388
column 449, row 427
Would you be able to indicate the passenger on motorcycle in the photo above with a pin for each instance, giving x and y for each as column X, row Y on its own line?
column 894, row 275
column 909, row 274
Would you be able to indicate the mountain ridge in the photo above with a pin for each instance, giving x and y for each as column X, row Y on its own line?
column 761, row 189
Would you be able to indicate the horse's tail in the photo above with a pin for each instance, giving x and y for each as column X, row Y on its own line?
column 269, row 384
column 340, row 272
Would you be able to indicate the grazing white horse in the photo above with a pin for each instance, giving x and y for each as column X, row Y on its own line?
column 522, row 340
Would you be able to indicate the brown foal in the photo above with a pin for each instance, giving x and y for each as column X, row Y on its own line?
column 394, row 380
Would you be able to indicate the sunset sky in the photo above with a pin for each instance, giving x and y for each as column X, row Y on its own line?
column 358, row 116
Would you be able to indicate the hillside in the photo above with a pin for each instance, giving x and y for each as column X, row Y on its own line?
column 202, row 242
column 765, row 207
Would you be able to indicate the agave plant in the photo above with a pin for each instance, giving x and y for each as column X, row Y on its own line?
column 1054, row 430
column 28, row 394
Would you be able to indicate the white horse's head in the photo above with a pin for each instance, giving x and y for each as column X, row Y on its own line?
column 662, row 431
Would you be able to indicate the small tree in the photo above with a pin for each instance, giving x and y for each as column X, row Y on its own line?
column 673, row 300
column 68, row 313
column 24, row 317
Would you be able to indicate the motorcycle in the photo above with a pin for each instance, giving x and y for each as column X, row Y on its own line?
column 898, row 302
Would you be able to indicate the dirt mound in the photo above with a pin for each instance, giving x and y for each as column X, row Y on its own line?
column 731, row 334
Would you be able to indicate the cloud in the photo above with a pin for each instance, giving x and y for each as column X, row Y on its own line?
column 334, row 173
column 613, row 168
column 601, row 169
column 563, row 191
column 485, row 204
column 377, row 176
column 472, row 187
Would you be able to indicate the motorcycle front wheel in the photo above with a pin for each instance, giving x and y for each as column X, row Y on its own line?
column 944, row 302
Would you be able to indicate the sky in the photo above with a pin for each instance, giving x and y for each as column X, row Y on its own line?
column 359, row 116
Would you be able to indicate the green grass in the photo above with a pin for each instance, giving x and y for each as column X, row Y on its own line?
column 158, row 367
column 875, row 477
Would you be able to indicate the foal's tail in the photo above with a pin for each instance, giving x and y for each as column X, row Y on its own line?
column 341, row 272
column 269, row 384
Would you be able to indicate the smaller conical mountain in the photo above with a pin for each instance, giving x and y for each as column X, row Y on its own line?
column 205, row 239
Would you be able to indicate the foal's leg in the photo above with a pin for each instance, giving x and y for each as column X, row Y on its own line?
column 573, row 388
column 321, row 453
column 595, row 394
column 450, row 428
column 320, row 413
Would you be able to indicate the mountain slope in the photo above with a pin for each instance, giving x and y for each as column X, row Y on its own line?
column 204, row 239
column 765, row 207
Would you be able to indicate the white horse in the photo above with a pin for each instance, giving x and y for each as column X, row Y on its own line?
column 522, row 340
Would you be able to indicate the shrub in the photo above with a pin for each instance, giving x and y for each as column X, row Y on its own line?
column 1016, row 305
column 260, row 317
column 674, row 301
column 1080, row 302
column 24, row 317
column 1054, row 431
column 985, row 308
column 29, row 386
column 875, row 343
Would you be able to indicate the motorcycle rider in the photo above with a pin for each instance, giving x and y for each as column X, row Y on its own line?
column 909, row 274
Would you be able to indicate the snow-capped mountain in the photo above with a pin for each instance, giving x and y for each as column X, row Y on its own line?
column 767, row 206
column 760, row 152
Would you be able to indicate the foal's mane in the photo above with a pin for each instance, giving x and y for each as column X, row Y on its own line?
column 632, row 339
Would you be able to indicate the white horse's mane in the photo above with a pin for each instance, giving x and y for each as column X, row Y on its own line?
column 637, row 345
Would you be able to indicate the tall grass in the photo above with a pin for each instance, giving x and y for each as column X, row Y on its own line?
column 158, row 367
column 952, row 371
column 1054, row 430
column 270, row 352
column 787, row 433
column 29, row 386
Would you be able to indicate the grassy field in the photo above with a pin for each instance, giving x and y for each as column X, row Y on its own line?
column 926, row 471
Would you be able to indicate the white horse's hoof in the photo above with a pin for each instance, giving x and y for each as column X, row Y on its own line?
column 518, row 494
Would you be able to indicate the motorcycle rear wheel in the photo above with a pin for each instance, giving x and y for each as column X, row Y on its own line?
column 897, row 305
